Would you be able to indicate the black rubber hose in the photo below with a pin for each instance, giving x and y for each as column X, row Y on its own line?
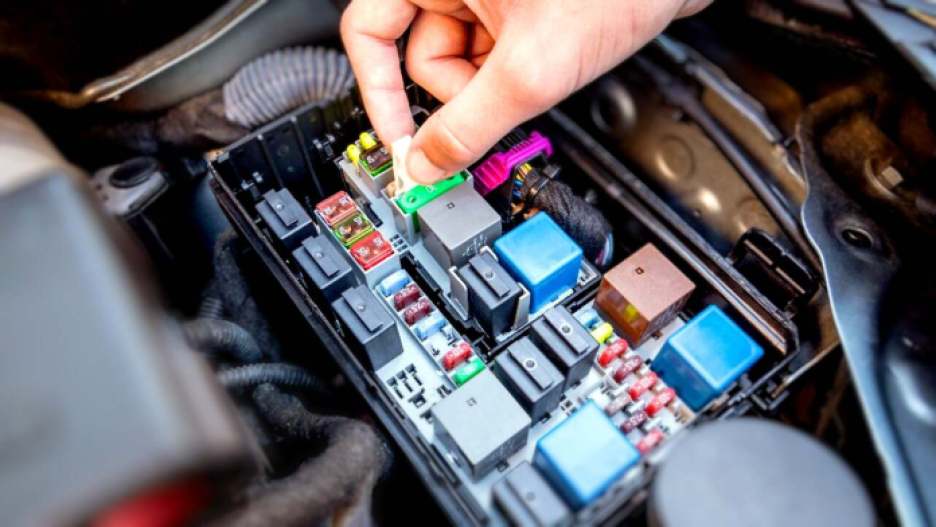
column 221, row 337
column 335, row 485
column 277, row 373
column 211, row 307
column 273, row 84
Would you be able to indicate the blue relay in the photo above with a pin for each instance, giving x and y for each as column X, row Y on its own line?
column 584, row 455
column 705, row 356
column 541, row 256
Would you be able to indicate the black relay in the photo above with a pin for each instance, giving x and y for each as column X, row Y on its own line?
column 322, row 264
column 492, row 293
column 369, row 325
column 566, row 342
column 287, row 219
column 530, row 377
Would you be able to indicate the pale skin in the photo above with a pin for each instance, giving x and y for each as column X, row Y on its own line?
column 493, row 63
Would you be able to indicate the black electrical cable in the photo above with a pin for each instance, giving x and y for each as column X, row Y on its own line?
column 276, row 373
column 221, row 337
column 335, row 484
column 579, row 219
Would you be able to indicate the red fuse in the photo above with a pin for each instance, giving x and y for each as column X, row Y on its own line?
column 641, row 385
column 417, row 311
column 614, row 350
column 406, row 296
column 336, row 208
column 635, row 420
column 650, row 441
column 661, row 401
column 456, row 356
column 629, row 366
column 371, row 250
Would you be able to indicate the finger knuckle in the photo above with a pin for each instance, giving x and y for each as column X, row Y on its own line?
column 448, row 147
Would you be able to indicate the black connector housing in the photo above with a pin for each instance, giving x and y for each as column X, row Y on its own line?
column 322, row 265
column 492, row 293
column 369, row 325
column 288, row 221
column 563, row 339
column 530, row 377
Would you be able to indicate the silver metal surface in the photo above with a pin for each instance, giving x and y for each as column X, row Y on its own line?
column 858, row 264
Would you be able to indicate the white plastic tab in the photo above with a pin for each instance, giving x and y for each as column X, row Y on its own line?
column 401, row 179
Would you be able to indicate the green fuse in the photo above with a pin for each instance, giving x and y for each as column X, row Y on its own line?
column 353, row 229
column 376, row 160
column 468, row 371
column 413, row 199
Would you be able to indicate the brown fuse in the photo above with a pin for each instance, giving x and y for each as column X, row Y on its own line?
column 643, row 293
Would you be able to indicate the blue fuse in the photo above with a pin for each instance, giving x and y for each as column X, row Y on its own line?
column 588, row 318
column 705, row 356
column 394, row 282
column 541, row 256
column 429, row 326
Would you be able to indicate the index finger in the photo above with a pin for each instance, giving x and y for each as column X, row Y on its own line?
column 369, row 29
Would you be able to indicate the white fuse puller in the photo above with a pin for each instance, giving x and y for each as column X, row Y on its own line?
column 401, row 180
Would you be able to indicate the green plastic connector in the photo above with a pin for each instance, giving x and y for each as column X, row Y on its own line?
column 467, row 371
column 414, row 199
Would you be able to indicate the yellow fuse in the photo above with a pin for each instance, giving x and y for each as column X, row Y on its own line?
column 602, row 333
column 367, row 141
column 354, row 153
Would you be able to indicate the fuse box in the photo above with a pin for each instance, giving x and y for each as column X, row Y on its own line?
column 482, row 340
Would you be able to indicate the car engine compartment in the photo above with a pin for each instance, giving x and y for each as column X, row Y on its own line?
column 694, row 293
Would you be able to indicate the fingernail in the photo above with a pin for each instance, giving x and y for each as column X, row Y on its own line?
column 421, row 169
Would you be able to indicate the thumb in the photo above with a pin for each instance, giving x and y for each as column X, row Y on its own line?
column 494, row 101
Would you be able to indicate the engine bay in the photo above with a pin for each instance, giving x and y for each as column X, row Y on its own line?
column 693, row 293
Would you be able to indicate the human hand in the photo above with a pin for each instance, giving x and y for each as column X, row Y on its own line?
column 493, row 63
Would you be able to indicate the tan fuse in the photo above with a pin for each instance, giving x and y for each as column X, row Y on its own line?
column 643, row 293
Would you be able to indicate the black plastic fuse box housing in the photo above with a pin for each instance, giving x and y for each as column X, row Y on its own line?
column 242, row 173
column 563, row 339
column 369, row 325
column 322, row 264
column 287, row 219
column 492, row 293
